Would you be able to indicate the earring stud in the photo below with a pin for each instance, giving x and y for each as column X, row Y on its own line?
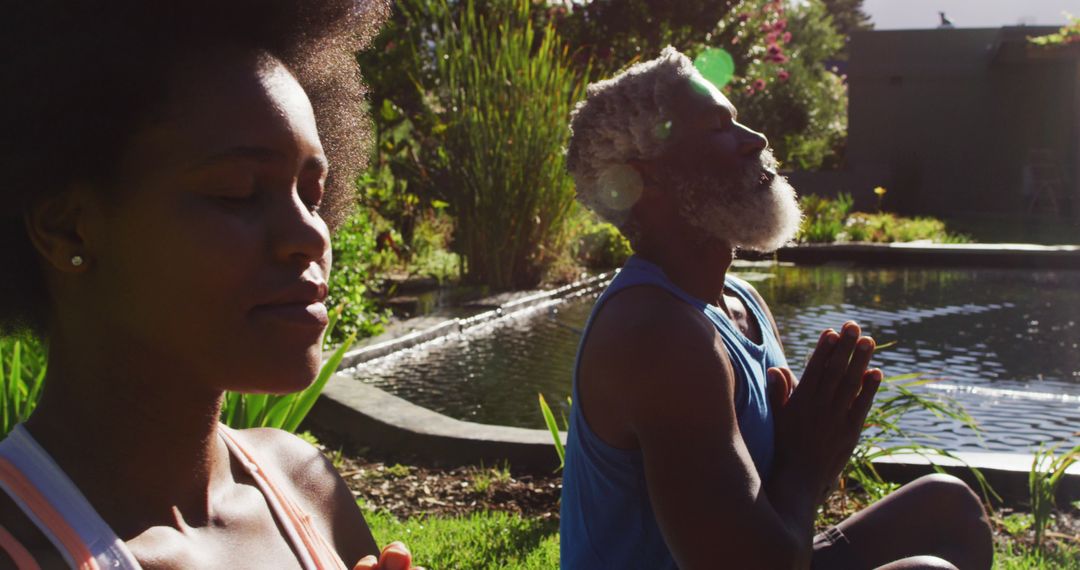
column 76, row 260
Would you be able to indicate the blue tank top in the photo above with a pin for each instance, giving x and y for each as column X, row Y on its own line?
column 606, row 520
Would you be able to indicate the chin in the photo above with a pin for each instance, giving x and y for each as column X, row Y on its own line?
column 277, row 371
column 761, row 217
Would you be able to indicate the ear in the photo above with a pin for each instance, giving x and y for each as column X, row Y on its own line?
column 58, row 228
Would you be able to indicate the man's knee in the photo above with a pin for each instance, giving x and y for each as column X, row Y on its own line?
column 947, row 492
column 919, row 563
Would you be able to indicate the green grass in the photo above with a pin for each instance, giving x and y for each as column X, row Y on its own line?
column 482, row 540
column 507, row 541
column 1010, row 556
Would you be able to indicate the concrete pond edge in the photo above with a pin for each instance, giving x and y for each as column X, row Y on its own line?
column 372, row 418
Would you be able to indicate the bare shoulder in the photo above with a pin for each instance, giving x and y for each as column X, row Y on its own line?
column 653, row 350
column 311, row 479
column 646, row 317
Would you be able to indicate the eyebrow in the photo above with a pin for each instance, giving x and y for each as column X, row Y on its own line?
column 261, row 154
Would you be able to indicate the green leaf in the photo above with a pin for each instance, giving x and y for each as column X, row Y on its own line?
column 549, row 419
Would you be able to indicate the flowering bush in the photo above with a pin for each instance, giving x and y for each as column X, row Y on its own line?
column 782, row 86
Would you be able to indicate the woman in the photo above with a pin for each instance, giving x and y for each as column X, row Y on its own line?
column 173, row 171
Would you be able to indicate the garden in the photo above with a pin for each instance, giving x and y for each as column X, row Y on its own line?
column 467, row 188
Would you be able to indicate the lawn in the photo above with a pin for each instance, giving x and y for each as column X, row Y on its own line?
column 498, row 540
column 471, row 542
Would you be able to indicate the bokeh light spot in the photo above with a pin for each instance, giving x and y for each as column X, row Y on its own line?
column 662, row 130
column 716, row 65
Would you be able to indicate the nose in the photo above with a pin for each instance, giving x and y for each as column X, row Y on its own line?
column 751, row 141
column 299, row 235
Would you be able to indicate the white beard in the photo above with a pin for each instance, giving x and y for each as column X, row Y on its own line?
column 744, row 210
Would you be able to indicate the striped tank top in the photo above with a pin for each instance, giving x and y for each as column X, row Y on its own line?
column 52, row 502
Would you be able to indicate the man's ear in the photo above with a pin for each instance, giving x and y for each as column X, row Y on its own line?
column 57, row 226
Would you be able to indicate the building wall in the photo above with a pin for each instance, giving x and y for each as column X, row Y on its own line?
column 944, row 120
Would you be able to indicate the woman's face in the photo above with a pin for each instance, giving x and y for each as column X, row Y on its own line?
column 213, row 259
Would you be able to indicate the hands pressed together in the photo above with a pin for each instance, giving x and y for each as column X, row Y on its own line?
column 395, row 556
column 819, row 418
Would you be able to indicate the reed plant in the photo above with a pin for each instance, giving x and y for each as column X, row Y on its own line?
column 1047, row 472
column 504, row 92
column 22, row 375
column 883, row 435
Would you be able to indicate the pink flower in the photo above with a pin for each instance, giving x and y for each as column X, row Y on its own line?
column 774, row 50
column 744, row 17
column 787, row 37
column 770, row 38
column 759, row 84
column 780, row 25
column 783, row 75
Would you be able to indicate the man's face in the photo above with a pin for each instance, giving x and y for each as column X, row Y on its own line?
column 722, row 175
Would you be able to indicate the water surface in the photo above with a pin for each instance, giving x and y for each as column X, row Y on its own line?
column 1003, row 342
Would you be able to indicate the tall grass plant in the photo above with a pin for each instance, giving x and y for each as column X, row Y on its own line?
column 503, row 94
column 22, row 375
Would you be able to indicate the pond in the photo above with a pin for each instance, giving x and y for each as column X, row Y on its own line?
column 1004, row 343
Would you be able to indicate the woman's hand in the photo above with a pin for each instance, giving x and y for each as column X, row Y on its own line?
column 395, row 556
column 819, row 421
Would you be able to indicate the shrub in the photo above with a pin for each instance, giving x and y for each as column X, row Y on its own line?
column 886, row 228
column 823, row 220
column 353, row 275
column 601, row 245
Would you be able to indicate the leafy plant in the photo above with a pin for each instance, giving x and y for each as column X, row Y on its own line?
column 600, row 245
column 823, row 220
column 22, row 375
column 1047, row 471
column 885, row 227
column 503, row 95
column 357, row 259
column 284, row 411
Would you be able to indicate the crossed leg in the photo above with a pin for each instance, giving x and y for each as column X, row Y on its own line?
column 933, row 522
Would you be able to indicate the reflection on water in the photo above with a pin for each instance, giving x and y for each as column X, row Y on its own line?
column 1003, row 342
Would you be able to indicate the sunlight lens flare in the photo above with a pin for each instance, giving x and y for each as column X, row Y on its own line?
column 716, row 65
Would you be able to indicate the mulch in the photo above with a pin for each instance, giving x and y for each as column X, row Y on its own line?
column 410, row 489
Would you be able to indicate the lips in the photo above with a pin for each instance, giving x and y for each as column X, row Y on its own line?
column 313, row 315
column 298, row 305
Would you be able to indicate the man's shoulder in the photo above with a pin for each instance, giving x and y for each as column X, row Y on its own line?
column 647, row 314
column 644, row 333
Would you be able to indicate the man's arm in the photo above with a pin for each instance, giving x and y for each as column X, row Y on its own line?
column 677, row 392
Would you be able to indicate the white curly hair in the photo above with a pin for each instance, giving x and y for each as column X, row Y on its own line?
column 622, row 119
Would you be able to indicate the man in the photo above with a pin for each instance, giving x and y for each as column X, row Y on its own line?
column 691, row 444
